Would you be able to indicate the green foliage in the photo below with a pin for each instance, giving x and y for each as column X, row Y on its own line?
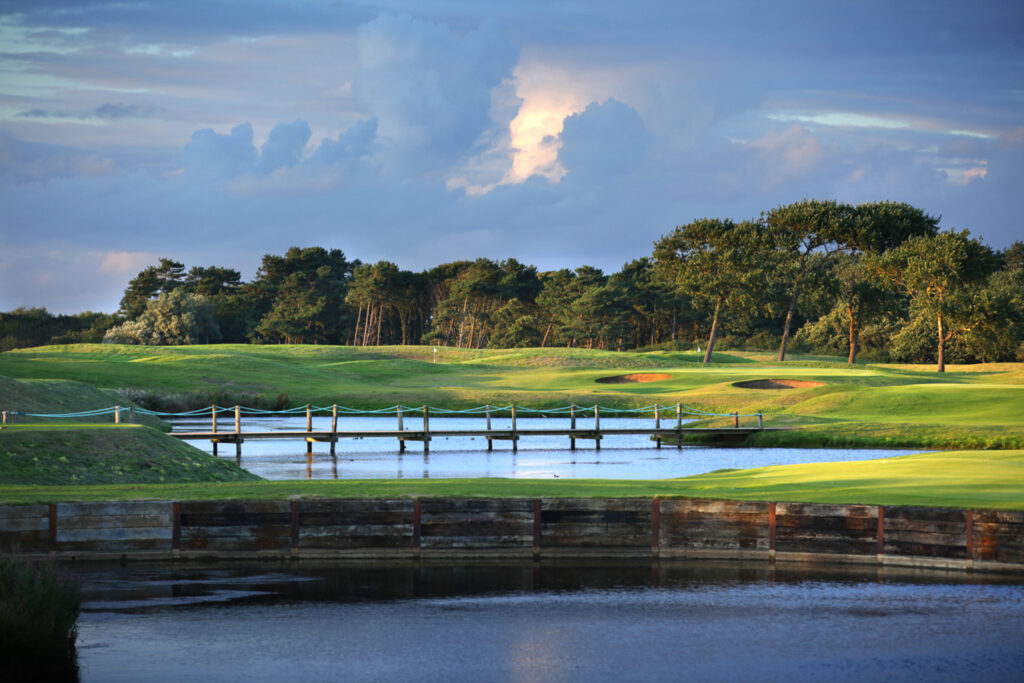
column 26, row 327
column 39, row 606
column 172, row 319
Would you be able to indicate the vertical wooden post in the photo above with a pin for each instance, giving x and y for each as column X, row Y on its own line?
column 515, row 438
column 131, row 414
column 655, row 525
column 117, row 415
column 309, row 441
column 657, row 423
column 970, row 535
column 597, row 427
column 487, row 412
column 238, row 434
column 771, row 531
column 213, row 419
column 536, row 527
column 679, row 425
column 760, row 420
column 238, row 419
column 736, row 419
column 401, row 428
column 334, row 419
column 880, row 550
column 572, row 426
column 426, row 432
column 4, row 418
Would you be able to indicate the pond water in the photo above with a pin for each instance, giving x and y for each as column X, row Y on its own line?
column 620, row 457
column 621, row 621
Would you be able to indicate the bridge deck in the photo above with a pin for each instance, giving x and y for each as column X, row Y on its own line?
column 418, row 434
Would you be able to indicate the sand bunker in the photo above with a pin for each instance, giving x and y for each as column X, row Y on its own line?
column 776, row 384
column 635, row 377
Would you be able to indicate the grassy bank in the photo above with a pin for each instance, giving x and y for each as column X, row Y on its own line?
column 977, row 406
column 47, row 455
column 968, row 479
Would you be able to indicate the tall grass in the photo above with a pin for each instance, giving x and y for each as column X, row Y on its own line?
column 39, row 606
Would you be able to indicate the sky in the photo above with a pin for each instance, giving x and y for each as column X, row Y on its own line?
column 559, row 133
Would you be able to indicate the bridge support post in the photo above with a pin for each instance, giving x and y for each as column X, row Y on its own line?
column 4, row 417
column 657, row 423
column 679, row 425
column 213, row 418
column 131, row 414
column 426, row 429
column 117, row 415
column 760, row 420
column 487, row 412
column 515, row 438
column 309, row 428
column 572, row 426
column 597, row 428
column 736, row 419
column 401, row 427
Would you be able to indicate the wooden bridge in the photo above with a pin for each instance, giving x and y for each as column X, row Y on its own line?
column 656, row 432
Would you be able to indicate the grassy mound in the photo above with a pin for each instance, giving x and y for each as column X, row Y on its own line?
column 969, row 479
column 47, row 455
column 56, row 396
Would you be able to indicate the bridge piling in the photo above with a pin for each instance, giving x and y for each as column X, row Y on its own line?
column 515, row 437
column 426, row 430
column 401, row 428
column 597, row 427
column 572, row 426
column 657, row 423
column 490, row 441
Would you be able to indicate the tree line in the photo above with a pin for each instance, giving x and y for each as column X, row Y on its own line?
column 876, row 278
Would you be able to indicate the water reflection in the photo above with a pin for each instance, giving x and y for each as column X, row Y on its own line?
column 549, row 621
column 620, row 457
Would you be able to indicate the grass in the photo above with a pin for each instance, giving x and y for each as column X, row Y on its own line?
column 976, row 406
column 39, row 605
column 967, row 479
column 61, row 454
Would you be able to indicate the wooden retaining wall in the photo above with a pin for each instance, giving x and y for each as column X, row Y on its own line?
column 555, row 527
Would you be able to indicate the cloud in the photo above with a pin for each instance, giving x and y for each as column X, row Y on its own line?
column 23, row 161
column 108, row 111
column 354, row 143
column 604, row 139
column 213, row 155
column 429, row 89
column 284, row 145
column 782, row 155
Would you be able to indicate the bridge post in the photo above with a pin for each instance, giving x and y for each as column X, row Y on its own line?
column 238, row 435
column 572, row 426
column 213, row 418
column 426, row 429
column 131, row 414
column 401, row 427
column 657, row 423
column 679, row 425
column 334, row 434
column 117, row 415
column 736, row 419
column 4, row 417
column 238, row 419
column 487, row 412
column 515, row 440
column 309, row 428
column 760, row 420
column 597, row 428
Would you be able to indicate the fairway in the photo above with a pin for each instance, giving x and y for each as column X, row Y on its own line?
column 977, row 406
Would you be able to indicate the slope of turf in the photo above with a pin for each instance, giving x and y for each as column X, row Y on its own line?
column 55, row 396
column 48, row 455
column 967, row 479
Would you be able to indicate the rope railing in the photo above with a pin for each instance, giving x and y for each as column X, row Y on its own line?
column 392, row 410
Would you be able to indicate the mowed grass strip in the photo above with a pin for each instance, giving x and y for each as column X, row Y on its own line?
column 965, row 479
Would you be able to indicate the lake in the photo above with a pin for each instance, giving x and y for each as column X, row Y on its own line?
column 620, row 457
column 692, row 620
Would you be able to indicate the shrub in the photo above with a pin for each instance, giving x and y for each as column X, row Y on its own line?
column 39, row 606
